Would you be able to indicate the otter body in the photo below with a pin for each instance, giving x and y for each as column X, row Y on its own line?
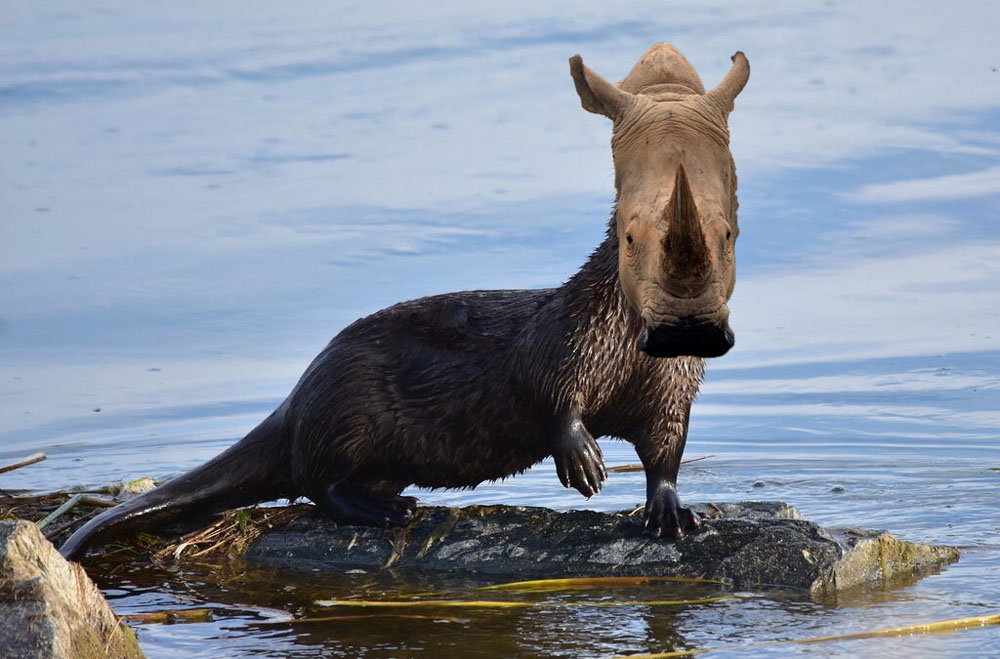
column 453, row 390
column 434, row 383
column 448, row 391
column 456, row 389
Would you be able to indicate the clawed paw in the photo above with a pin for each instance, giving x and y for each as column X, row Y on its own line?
column 666, row 517
column 580, row 463
column 400, row 510
column 346, row 506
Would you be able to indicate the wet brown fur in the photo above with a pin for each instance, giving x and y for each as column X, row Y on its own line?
column 456, row 389
column 462, row 388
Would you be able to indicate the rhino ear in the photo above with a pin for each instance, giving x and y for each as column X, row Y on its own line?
column 726, row 92
column 597, row 95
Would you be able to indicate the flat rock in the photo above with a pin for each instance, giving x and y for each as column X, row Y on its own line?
column 50, row 608
column 754, row 545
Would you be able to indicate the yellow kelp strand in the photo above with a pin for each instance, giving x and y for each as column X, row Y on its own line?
column 591, row 582
column 364, row 616
column 940, row 627
column 497, row 604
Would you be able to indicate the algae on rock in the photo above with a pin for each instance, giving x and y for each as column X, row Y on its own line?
column 51, row 608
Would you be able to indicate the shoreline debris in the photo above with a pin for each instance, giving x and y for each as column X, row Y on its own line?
column 23, row 462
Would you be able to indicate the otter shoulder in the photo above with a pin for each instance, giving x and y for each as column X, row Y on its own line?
column 453, row 319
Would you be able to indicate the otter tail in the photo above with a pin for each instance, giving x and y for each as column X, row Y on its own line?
column 254, row 469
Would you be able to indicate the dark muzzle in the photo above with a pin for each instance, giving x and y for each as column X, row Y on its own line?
column 687, row 338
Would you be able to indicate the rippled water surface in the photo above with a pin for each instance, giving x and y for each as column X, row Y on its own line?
column 196, row 198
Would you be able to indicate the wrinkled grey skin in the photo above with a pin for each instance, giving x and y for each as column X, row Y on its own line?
column 676, row 267
column 456, row 389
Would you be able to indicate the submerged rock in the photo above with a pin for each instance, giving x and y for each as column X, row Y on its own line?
column 49, row 607
column 755, row 545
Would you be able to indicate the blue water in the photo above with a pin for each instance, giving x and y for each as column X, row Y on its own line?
column 194, row 199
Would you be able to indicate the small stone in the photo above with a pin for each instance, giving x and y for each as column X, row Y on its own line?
column 138, row 486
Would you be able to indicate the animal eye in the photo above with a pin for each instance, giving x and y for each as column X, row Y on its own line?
column 729, row 234
column 628, row 238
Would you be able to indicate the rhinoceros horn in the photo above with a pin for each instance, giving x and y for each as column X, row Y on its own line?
column 688, row 263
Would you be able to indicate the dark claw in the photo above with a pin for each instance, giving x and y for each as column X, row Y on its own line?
column 579, row 461
column 561, row 470
column 665, row 516
column 351, row 507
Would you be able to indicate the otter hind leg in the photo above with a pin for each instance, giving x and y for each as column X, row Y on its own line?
column 354, row 507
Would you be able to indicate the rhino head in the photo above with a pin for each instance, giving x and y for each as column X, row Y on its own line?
column 676, row 191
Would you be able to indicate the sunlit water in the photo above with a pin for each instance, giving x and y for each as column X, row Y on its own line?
column 195, row 198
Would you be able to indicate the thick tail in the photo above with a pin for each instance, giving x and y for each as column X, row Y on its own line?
column 254, row 469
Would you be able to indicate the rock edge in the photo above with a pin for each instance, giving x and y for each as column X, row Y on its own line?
column 50, row 608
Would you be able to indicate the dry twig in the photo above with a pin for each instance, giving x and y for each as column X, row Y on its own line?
column 23, row 462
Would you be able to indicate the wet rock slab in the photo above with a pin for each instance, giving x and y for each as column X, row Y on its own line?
column 755, row 545
column 49, row 607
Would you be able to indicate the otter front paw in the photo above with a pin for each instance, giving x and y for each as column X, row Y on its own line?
column 579, row 461
column 665, row 516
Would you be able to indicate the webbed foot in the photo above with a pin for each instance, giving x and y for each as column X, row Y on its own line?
column 665, row 516
column 366, row 509
column 579, row 461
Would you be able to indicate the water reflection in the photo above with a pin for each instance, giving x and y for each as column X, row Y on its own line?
column 256, row 608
